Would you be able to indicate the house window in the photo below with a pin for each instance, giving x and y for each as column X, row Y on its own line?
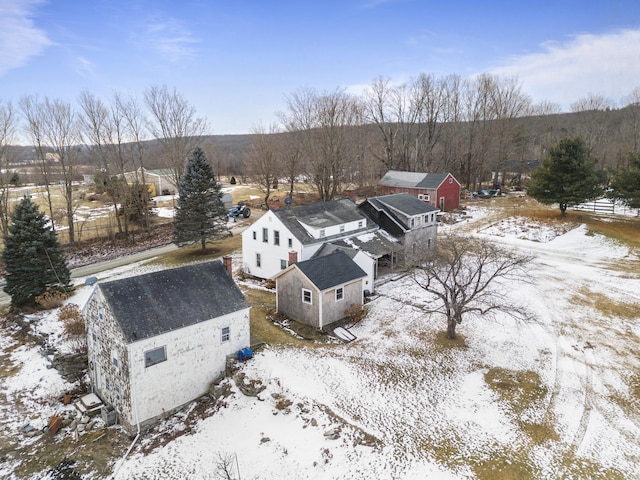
column 101, row 313
column 432, row 215
column 426, row 219
column 283, row 264
column 339, row 294
column 290, row 243
column 450, row 180
column 157, row 355
column 420, row 196
column 107, row 383
column 225, row 334
column 255, row 235
column 322, row 232
column 118, row 394
column 276, row 237
column 306, row 296
column 265, row 235
column 341, row 228
column 413, row 222
column 360, row 224
column 258, row 260
column 114, row 358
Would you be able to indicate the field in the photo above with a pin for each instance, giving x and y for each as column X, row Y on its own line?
column 556, row 397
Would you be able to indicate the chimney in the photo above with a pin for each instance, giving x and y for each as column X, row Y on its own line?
column 293, row 257
column 226, row 261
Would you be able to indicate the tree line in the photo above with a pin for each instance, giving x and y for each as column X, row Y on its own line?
column 482, row 129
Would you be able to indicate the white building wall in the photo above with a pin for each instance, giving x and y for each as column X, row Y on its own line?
column 321, row 233
column 368, row 264
column 195, row 357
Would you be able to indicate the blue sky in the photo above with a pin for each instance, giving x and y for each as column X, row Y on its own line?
column 236, row 60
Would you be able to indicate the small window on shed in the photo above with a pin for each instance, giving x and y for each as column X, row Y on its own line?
column 115, row 358
column 360, row 224
column 306, row 296
column 157, row 355
column 225, row 334
column 339, row 294
column 101, row 313
column 341, row 228
column 322, row 232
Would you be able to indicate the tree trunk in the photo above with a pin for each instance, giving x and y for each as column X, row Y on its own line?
column 451, row 328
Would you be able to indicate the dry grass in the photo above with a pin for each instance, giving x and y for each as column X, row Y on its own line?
column 193, row 253
column 605, row 305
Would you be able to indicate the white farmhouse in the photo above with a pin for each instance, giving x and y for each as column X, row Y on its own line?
column 282, row 237
column 157, row 341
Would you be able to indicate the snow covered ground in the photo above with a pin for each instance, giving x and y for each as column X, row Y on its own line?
column 553, row 398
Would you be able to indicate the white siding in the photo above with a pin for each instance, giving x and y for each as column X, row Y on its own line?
column 195, row 357
column 271, row 255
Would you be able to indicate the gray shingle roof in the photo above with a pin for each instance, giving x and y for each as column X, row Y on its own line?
column 319, row 215
column 405, row 203
column 331, row 270
column 397, row 178
column 159, row 302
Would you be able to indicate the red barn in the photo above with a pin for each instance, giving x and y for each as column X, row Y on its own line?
column 441, row 190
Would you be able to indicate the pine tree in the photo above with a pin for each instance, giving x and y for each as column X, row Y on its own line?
column 33, row 258
column 200, row 214
column 568, row 176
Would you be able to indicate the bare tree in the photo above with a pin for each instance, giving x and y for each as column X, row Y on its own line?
column 8, row 125
column 262, row 159
column 55, row 131
column 226, row 463
column 593, row 125
column 467, row 276
column 174, row 123
column 322, row 121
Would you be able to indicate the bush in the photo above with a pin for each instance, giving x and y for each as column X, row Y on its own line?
column 51, row 299
column 356, row 313
column 232, row 181
column 74, row 327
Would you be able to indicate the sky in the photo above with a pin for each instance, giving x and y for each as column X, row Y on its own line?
column 237, row 61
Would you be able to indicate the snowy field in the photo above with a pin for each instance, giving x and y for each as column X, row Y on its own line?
column 553, row 398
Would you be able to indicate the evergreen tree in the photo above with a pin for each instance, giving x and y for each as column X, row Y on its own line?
column 32, row 256
column 567, row 176
column 626, row 183
column 200, row 214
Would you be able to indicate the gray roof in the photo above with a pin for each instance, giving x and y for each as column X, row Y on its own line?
column 376, row 244
column 405, row 203
column 331, row 270
column 148, row 305
column 329, row 248
column 397, row 178
column 319, row 215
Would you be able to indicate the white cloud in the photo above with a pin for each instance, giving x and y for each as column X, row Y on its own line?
column 565, row 72
column 171, row 38
column 19, row 38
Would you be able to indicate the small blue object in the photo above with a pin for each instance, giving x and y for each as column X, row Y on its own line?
column 288, row 200
column 245, row 354
column 90, row 280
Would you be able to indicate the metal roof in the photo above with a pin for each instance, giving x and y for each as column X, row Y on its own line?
column 401, row 179
column 154, row 303
column 405, row 203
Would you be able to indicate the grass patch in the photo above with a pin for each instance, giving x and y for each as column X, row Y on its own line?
column 263, row 303
column 520, row 389
column 606, row 306
column 441, row 343
column 194, row 253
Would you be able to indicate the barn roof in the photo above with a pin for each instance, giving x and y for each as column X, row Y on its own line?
column 330, row 270
column 398, row 178
column 154, row 303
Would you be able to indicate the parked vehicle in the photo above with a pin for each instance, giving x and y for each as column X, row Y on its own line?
column 239, row 211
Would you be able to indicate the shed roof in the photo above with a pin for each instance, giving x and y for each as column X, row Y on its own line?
column 330, row 270
column 405, row 203
column 148, row 305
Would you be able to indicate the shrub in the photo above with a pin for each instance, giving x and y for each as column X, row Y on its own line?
column 356, row 313
column 232, row 181
column 74, row 327
column 51, row 299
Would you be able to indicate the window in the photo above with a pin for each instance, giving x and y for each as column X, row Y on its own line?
column 341, row 228
column 258, row 260
column 322, row 232
column 225, row 334
column 413, row 222
column 420, row 196
column 276, row 237
column 101, row 313
column 265, row 235
column 255, row 235
column 107, row 383
column 450, row 180
column 157, row 355
column 432, row 215
column 283, row 264
column 360, row 224
column 290, row 243
column 114, row 358
column 339, row 294
column 306, row 296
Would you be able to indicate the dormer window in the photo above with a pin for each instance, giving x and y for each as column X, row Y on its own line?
column 341, row 228
column 322, row 233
